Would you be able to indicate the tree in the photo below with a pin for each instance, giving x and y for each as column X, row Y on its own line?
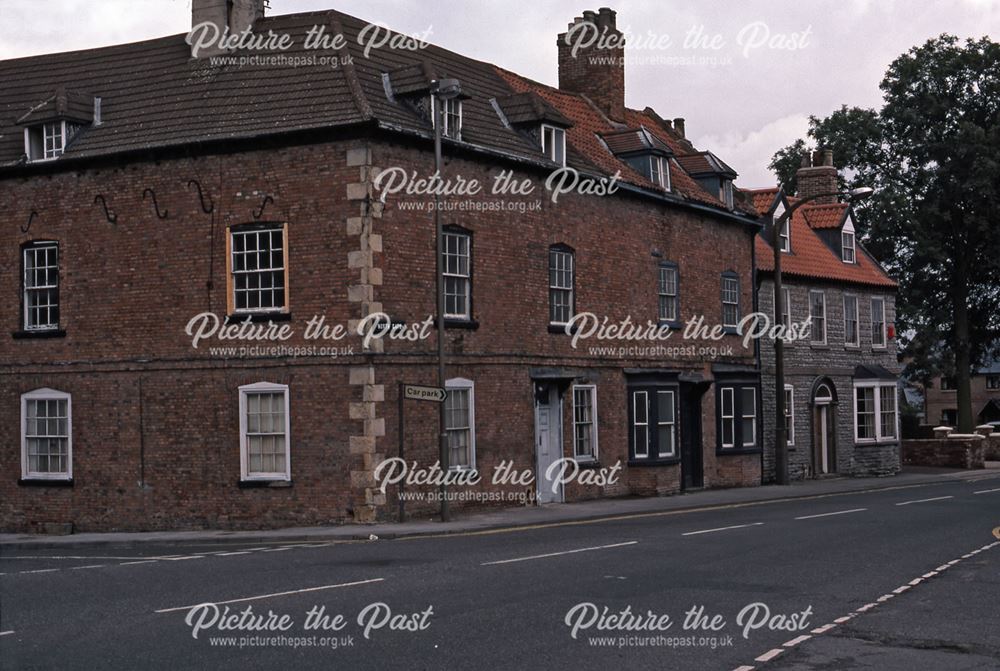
column 932, row 154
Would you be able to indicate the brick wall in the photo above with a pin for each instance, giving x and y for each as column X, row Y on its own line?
column 965, row 452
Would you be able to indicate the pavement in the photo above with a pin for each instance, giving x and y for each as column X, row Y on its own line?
column 517, row 517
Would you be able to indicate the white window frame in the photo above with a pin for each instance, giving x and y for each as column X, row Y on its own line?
column 554, row 143
column 726, row 192
column 592, row 389
column 879, row 387
column 812, row 317
column 790, row 414
column 752, row 416
column 857, row 321
column 663, row 293
column 731, row 417
column 570, row 291
column 446, row 129
column 25, row 288
column 466, row 279
column 45, row 131
column 882, row 331
column 785, row 233
column 465, row 384
column 659, row 171
column 231, row 272
column 636, row 423
column 268, row 388
column 736, row 281
column 46, row 394
column 849, row 252
column 672, row 454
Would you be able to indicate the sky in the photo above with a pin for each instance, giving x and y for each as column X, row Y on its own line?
column 745, row 75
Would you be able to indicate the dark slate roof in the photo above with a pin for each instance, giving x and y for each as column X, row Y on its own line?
column 633, row 140
column 705, row 163
column 529, row 107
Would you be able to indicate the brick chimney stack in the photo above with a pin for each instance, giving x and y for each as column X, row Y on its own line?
column 817, row 175
column 597, row 70
column 236, row 15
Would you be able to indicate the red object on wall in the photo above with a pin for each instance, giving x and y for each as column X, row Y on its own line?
column 891, row 330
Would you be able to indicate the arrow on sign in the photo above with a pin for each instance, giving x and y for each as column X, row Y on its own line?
column 418, row 393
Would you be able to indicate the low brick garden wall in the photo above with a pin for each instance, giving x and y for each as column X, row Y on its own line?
column 949, row 450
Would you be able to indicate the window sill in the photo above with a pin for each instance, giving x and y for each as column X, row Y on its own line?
column 587, row 462
column 730, row 330
column 675, row 324
column 561, row 328
column 736, row 451
column 819, row 345
column 45, row 482
column 39, row 334
column 457, row 323
column 257, row 484
column 665, row 461
column 255, row 317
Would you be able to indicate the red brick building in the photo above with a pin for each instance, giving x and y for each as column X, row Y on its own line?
column 145, row 187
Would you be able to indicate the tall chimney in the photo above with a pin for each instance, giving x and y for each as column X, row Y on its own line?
column 233, row 16
column 597, row 69
column 817, row 175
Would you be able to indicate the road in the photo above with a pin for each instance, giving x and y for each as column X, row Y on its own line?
column 895, row 579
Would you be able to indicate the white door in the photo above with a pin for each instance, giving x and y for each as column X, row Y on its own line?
column 824, row 447
column 548, row 443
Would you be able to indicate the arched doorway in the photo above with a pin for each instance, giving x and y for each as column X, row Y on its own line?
column 824, row 443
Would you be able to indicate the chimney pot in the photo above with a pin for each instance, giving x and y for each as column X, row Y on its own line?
column 597, row 70
column 232, row 15
column 817, row 177
column 828, row 157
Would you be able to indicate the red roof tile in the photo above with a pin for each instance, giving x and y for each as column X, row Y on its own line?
column 825, row 216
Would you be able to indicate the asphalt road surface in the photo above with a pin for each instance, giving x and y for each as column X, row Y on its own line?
column 905, row 578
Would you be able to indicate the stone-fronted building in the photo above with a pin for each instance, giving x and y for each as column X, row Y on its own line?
column 841, row 382
column 145, row 185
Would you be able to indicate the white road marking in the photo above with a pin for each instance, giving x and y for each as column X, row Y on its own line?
column 866, row 607
column 842, row 620
column 795, row 641
column 142, row 561
column 900, row 590
column 708, row 531
column 936, row 498
column 822, row 630
column 277, row 549
column 744, row 668
column 231, row 554
column 183, row 558
column 268, row 596
column 769, row 655
column 929, row 575
column 987, row 491
column 80, row 568
column 839, row 512
column 41, row 570
column 6, row 633
column 915, row 582
column 558, row 554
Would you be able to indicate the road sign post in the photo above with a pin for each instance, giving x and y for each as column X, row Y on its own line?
column 413, row 392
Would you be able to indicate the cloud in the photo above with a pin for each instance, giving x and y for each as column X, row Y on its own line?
column 749, row 153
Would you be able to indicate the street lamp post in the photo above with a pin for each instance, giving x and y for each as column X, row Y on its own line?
column 441, row 90
column 780, row 439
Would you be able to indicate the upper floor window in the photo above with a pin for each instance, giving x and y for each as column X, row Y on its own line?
column 561, row 282
column 46, row 435
column 47, row 141
column 784, row 233
column 730, row 299
column 41, row 286
column 669, row 292
column 851, row 332
column 585, row 422
column 457, row 274
column 554, row 144
column 659, row 171
column 258, row 268
column 849, row 250
column 817, row 316
column 452, row 109
column 875, row 414
column 878, row 322
column 726, row 192
column 460, row 423
column 993, row 381
column 264, row 432
column 949, row 383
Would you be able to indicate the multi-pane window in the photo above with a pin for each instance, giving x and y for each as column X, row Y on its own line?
column 41, row 286
column 49, row 140
column 585, row 422
column 452, row 126
column 264, row 432
column 554, row 144
column 730, row 300
column 993, row 381
column 847, row 242
column 851, row 334
column 668, row 293
column 659, row 171
column 653, row 413
column 817, row 316
column 789, row 414
column 46, row 435
column 875, row 412
column 460, row 423
column 457, row 275
column 737, row 416
column 560, row 285
column 878, row 322
column 52, row 134
column 258, row 268
column 784, row 231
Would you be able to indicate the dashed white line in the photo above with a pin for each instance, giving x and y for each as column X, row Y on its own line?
column 936, row 498
column 558, row 554
column 41, row 570
column 842, row 620
column 769, row 655
column 233, row 554
column 6, row 633
column 987, row 491
column 141, row 561
column 839, row 512
column 744, row 668
column 795, row 641
column 185, row 557
column 80, row 568
column 822, row 630
column 708, row 531
column 268, row 596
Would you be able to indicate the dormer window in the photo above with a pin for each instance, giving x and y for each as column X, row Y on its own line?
column 726, row 192
column 48, row 141
column 784, row 235
column 554, row 144
column 659, row 171
column 849, row 253
column 452, row 126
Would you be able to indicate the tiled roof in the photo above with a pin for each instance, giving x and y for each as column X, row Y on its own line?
column 811, row 257
column 530, row 108
column 705, row 163
column 825, row 216
column 633, row 140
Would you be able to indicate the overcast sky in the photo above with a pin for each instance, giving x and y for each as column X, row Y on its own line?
column 749, row 103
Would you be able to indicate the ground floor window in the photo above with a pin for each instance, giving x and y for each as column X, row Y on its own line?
column 264, row 432
column 875, row 412
column 737, row 416
column 653, row 423
column 585, row 422
column 790, row 414
column 46, row 435
column 460, row 423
